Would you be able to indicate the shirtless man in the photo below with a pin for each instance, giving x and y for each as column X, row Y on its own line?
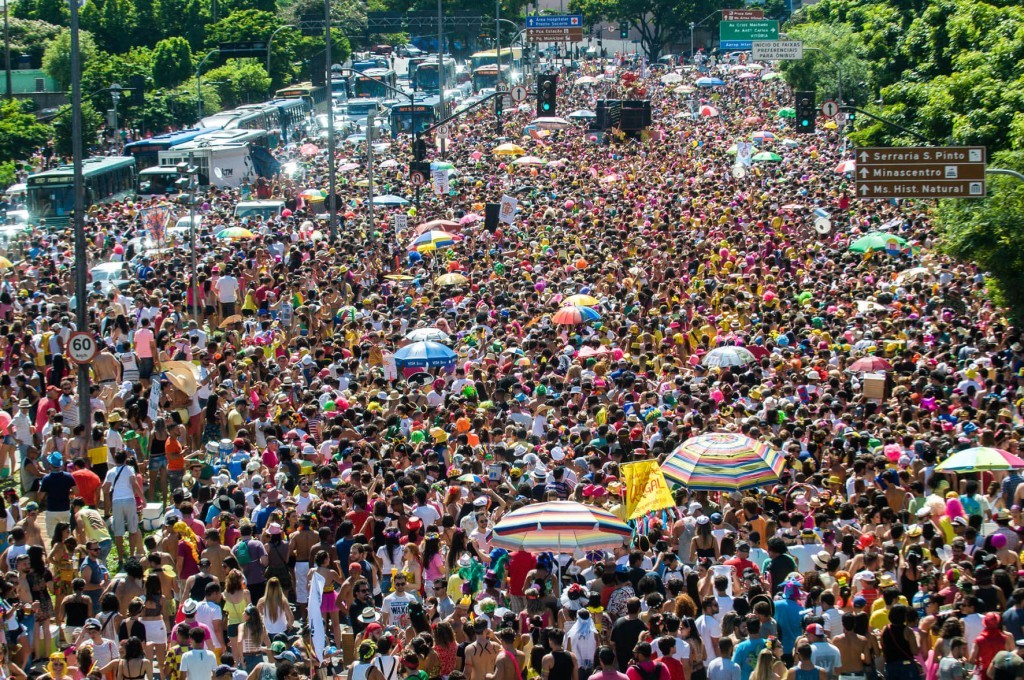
column 216, row 553
column 482, row 654
column 107, row 368
column 129, row 586
column 510, row 661
column 324, row 534
column 299, row 549
column 854, row 651
column 33, row 534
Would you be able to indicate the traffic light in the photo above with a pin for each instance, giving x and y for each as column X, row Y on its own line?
column 547, row 84
column 138, row 87
column 623, row 30
column 805, row 112
column 499, row 105
column 419, row 149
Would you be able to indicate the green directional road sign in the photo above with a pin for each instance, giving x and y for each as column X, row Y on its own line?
column 738, row 35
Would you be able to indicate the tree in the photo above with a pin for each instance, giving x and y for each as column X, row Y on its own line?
column 51, row 11
column 185, row 18
column 8, row 174
column 57, row 56
column 147, row 31
column 112, row 23
column 242, row 81
column 108, row 69
column 253, row 24
column 20, row 133
column 92, row 127
column 172, row 62
column 990, row 233
column 817, row 71
column 30, row 36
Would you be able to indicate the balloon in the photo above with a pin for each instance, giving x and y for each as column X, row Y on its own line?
column 539, row 286
column 569, row 204
column 501, row 166
column 5, row 422
column 476, row 155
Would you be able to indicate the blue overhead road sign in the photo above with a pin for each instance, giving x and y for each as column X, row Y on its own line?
column 552, row 21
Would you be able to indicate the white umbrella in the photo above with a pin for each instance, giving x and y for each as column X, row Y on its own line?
column 389, row 163
column 550, row 123
column 721, row 357
column 671, row 78
column 428, row 334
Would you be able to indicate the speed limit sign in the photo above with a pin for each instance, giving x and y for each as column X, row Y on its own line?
column 81, row 347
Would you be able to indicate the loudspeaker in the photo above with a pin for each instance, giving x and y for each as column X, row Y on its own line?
column 491, row 211
column 633, row 119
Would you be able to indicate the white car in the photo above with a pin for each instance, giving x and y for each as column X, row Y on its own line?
column 108, row 275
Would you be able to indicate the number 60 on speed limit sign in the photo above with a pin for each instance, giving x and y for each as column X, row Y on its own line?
column 82, row 347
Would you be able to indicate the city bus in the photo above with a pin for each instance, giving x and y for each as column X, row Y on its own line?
column 292, row 117
column 363, row 65
column 51, row 195
column 371, row 83
column 425, row 77
column 484, row 77
column 511, row 58
column 314, row 95
column 407, row 119
column 145, row 150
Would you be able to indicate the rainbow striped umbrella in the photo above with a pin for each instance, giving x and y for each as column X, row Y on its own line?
column 723, row 461
column 979, row 458
column 574, row 316
column 560, row 526
column 434, row 237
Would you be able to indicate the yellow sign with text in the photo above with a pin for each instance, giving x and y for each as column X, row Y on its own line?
column 646, row 489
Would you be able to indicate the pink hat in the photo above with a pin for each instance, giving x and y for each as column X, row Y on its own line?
column 274, row 529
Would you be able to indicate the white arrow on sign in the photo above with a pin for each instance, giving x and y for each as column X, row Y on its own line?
column 863, row 156
column 519, row 94
column 863, row 189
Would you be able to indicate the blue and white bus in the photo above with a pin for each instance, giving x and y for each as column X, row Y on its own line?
column 145, row 151
column 407, row 119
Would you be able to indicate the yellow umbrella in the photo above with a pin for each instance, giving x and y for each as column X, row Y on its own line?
column 452, row 279
column 830, row 125
column 5, row 263
column 581, row 301
column 400, row 277
column 364, row 183
column 509, row 149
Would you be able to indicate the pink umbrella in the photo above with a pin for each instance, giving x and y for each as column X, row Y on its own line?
column 469, row 218
column 708, row 111
column 752, row 120
column 846, row 166
column 746, row 76
column 348, row 166
column 309, row 149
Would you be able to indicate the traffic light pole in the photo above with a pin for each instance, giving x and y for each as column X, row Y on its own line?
column 459, row 114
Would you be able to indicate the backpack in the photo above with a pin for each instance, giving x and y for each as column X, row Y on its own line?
column 241, row 553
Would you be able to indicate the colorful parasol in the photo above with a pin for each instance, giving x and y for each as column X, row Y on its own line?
column 723, row 461
column 452, row 279
column 877, row 240
column 581, row 301
column 870, row 365
column 235, row 232
column 560, row 526
column 846, row 166
column 708, row 111
column 574, row 316
column 443, row 225
column 424, row 354
column 979, row 458
column 434, row 238
column 508, row 149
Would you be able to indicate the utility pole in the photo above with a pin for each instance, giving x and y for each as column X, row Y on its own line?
column 497, row 36
column 7, row 51
column 332, row 174
column 371, row 120
column 440, row 67
column 115, row 96
column 193, row 181
column 78, row 215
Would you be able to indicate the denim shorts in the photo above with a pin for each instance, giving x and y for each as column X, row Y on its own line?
column 157, row 463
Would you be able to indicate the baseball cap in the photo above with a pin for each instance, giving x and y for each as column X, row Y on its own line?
column 860, row 601
column 815, row 629
column 223, row 669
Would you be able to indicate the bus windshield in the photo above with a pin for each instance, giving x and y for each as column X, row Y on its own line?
column 366, row 87
column 55, row 201
column 155, row 183
column 427, row 78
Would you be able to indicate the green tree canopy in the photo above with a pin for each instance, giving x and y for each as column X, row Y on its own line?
column 840, row 51
column 92, row 127
column 242, row 81
column 51, row 11
column 30, row 36
column 57, row 56
column 990, row 233
column 112, row 23
column 20, row 133
column 172, row 62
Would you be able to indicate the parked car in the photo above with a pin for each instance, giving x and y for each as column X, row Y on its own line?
column 382, row 49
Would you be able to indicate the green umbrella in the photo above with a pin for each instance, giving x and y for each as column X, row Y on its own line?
column 732, row 150
column 768, row 77
column 877, row 240
column 768, row 156
column 787, row 112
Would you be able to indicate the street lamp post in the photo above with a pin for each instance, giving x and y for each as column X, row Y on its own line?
column 332, row 173
column 371, row 120
column 78, row 214
column 199, row 82
column 7, row 52
column 189, row 182
column 497, row 37
column 440, row 67
column 115, row 96
column 694, row 25
column 270, row 44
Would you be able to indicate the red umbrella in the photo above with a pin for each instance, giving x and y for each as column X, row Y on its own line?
column 309, row 149
column 443, row 225
column 870, row 365
column 758, row 351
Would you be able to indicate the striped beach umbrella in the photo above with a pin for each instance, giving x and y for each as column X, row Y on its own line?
column 979, row 458
column 574, row 316
column 560, row 526
column 424, row 354
column 723, row 461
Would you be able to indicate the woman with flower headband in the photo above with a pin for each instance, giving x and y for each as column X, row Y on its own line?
column 364, row 668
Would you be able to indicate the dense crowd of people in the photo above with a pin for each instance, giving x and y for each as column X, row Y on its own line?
column 268, row 467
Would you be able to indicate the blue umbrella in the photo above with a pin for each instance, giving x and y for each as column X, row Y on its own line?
column 709, row 82
column 389, row 199
column 424, row 354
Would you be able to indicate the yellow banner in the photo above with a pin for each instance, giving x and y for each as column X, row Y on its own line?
column 646, row 490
